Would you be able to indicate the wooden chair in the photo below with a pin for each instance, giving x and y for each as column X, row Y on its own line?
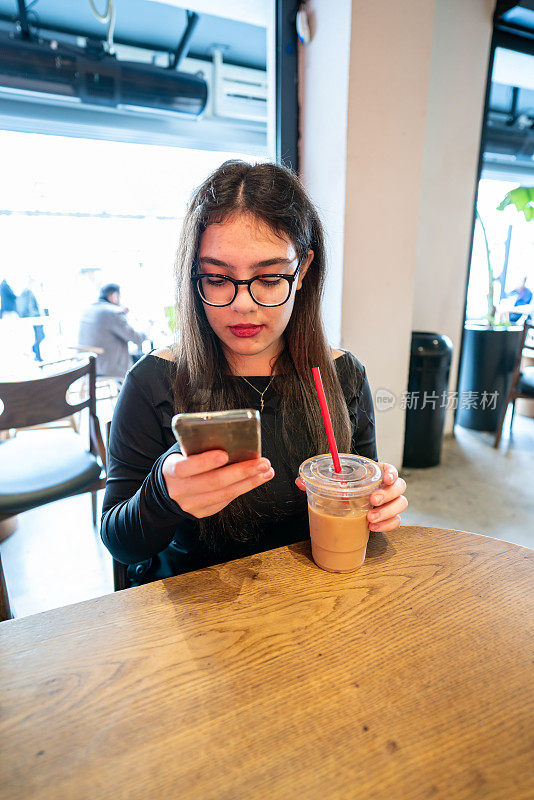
column 120, row 571
column 5, row 610
column 521, row 385
column 120, row 576
column 40, row 467
column 107, row 386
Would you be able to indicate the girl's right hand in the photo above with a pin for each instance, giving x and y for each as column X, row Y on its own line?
column 202, row 485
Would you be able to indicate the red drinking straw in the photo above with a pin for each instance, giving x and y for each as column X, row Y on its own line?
column 326, row 418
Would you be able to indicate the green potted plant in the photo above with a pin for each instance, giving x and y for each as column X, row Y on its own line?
column 490, row 346
column 523, row 199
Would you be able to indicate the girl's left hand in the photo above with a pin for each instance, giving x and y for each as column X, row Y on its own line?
column 388, row 500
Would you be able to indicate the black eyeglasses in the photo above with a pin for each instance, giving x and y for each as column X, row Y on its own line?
column 265, row 290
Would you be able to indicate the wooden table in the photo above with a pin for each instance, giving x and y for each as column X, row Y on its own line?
column 268, row 678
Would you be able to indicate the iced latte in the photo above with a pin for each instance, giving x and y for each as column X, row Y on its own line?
column 337, row 506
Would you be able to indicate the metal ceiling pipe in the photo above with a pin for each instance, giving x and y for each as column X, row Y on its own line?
column 23, row 20
column 185, row 41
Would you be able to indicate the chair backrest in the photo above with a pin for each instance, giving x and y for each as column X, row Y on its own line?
column 516, row 374
column 41, row 400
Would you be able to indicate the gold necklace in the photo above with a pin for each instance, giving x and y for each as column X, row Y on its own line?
column 257, row 390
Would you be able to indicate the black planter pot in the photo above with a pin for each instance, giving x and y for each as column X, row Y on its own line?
column 488, row 359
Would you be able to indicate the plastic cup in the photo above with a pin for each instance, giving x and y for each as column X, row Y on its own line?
column 337, row 508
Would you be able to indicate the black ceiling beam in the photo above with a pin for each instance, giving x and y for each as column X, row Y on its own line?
column 518, row 31
column 512, row 40
column 185, row 41
column 503, row 6
column 507, row 26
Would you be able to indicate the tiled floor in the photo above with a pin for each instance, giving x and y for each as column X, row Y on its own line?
column 477, row 488
column 55, row 557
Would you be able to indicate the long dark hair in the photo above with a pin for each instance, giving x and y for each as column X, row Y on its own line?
column 274, row 195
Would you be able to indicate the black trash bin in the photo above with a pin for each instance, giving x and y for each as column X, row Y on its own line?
column 426, row 402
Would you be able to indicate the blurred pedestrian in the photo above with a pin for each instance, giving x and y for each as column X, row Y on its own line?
column 27, row 306
column 104, row 325
column 8, row 299
column 523, row 297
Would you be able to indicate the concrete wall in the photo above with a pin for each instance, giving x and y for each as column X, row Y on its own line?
column 372, row 157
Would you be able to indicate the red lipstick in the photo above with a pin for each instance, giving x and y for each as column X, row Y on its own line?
column 243, row 331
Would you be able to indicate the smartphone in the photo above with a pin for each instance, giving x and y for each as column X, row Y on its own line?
column 237, row 432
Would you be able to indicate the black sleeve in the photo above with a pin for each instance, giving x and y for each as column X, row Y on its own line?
column 139, row 519
column 361, row 411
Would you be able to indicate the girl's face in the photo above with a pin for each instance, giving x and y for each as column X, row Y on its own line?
column 244, row 247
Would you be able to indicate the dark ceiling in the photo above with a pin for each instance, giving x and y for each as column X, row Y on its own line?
column 153, row 25
column 515, row 15
column 510, row 123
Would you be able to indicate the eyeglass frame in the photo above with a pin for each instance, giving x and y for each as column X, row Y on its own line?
column 289, row 278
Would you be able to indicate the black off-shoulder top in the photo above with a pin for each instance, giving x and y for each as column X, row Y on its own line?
column 144, row 528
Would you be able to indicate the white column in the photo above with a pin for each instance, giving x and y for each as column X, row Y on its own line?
column 391, row 104
column 323, row 94
column 458, row 69
column 390, row 51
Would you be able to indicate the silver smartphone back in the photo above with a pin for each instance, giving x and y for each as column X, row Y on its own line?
column 237, row 432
